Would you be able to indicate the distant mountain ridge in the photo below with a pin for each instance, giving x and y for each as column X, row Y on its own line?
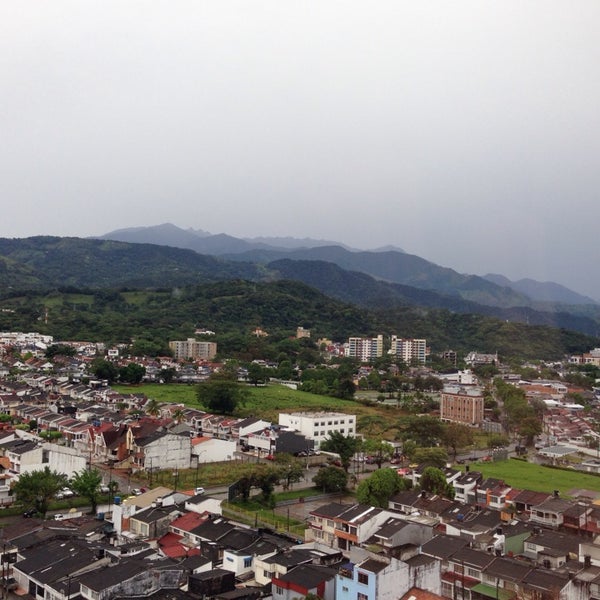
column 204, row 242
column 542, row 291
column 388, row 263
column 47, row 263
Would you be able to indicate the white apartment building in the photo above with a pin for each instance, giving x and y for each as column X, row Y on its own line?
column 409, row 350
column 191, row 348
column 317, row 426
column 365, row 349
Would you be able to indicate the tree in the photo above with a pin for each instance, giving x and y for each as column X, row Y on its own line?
column 256, row 374
column 456, row 435
column 378, row 450
column 59, row 349
column 37, row 488
column 331, row 479
column 221, row 393
column 498, row 441
column 345, row 446
column 178, row 415
column 87, row 484
column 104, row 369
column 168, row 374
column 266, row 482
column 434, row 481
column 290, row 469
column 425, row 431
column 380, row 487
column 345, row 389
column 132, row 373
column 433, row 457
column 153, row 407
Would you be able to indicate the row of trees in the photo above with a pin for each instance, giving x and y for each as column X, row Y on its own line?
column 37, row 489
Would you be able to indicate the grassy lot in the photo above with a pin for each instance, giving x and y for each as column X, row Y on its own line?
column 268, row 401
column 209, row 475
column 253, row 513
column 524, row 475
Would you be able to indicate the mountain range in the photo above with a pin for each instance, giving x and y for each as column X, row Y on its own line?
column 387, row 264
column 385, row 279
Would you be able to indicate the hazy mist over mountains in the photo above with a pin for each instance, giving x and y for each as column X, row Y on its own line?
column 385, row 263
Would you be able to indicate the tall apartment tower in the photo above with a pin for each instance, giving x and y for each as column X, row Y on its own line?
column 365, row 349
column 408, row 350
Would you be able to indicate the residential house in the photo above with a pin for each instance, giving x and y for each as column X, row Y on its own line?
column 321, row 523
column 465, row 484
column 303, row 580
column 153, row 522
column 131, row 577
column 160, row 450
column 43, row 565
column 550, row 549
column 401, row 538
column 502, row 579
column 550, row 512
column 465, row 571
column 280, row 563
column 379, row 578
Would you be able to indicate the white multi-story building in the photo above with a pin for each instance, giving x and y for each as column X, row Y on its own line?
column 191, row 348
column 409, row 350
column 317, row 426
column 364, row 348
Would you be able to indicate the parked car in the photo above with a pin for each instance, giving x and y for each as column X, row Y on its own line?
column 199, row 491
column 104, row 489
column 64, row 493
column 30, row 512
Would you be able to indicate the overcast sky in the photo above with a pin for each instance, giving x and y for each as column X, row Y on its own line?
column 465, row 132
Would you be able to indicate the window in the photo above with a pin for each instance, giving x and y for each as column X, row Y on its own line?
column 360, row 596
column 279, row 590
column 247, row 562
column 363, row 578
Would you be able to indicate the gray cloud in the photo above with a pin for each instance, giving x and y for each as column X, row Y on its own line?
column 467, row 133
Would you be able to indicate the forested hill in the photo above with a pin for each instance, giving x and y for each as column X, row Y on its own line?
column 46, row 262
column 361, row 289
column 233, row 309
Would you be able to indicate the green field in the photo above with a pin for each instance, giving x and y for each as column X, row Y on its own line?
column 268, row 401
column 524, row 475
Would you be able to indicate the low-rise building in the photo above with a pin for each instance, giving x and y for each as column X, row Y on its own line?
column 460, row 404
column 318, row 426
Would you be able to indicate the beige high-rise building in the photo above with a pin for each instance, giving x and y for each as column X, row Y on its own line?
column 191, row 348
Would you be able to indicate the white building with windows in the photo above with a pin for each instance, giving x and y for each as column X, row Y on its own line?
column 365, row 349
column 409, row 350
column 317, row 426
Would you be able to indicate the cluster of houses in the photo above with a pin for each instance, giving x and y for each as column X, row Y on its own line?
column 129, row 431
column 496, row 542
column 491, row 541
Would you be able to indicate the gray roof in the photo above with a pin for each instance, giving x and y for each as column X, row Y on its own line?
column 443, row 546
